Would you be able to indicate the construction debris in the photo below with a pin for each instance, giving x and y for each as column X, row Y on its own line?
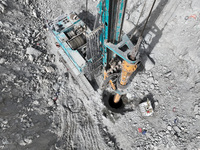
column 146, row 108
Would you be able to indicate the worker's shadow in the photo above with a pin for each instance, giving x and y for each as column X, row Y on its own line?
column 151, row 34
column 87, row 18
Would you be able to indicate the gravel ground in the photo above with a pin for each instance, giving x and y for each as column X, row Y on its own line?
column 31, row 76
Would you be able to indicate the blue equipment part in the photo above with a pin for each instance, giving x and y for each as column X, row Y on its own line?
column 103, row 8
column 70, row 33
column 112, row 17
column 67, row 50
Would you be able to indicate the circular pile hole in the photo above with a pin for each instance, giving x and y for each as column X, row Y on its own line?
column 115, row 105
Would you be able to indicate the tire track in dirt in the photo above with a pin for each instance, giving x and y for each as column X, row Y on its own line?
column 76, row 128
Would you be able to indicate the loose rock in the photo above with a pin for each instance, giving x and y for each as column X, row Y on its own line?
column 33, row 51
column 177, row 129
column 35, row 13
column 49, row 69
column 2, row 60
column 2, row 8
column 169, row 128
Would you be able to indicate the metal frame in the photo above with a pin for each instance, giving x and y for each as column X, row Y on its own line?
column 115, row 48
column 59, row 35
column 108, row 45
column 103, row 7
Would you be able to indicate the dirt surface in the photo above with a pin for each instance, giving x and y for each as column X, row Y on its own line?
column 42, row 107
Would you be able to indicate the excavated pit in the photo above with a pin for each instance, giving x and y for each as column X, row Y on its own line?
column 108, row 101
column 115, row 105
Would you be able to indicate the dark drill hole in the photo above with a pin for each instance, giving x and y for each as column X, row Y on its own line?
column 108, row 100
column 115, row 105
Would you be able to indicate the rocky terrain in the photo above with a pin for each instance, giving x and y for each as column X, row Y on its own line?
column 42, row 107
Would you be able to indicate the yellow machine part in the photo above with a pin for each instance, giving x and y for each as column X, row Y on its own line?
column 117, row 98
column 111, row 83
column 127, row 70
